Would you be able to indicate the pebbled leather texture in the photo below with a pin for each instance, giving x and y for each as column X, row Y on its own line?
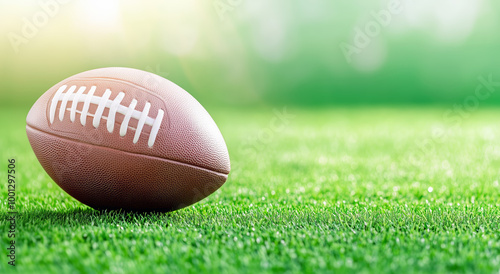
column 187, row 162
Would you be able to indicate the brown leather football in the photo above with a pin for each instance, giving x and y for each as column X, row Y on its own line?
column 121, row 138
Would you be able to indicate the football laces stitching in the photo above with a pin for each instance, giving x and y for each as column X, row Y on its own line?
column 114, row 106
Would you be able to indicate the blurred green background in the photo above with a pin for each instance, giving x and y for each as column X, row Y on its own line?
column 242, row 52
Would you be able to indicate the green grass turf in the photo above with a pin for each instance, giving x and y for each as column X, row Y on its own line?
column 332, row 189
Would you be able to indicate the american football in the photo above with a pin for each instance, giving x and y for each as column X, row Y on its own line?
column 121, row 138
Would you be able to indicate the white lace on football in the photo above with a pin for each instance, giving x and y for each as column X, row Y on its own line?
column 126, row 119
column 75, row 103
column 102, row 103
